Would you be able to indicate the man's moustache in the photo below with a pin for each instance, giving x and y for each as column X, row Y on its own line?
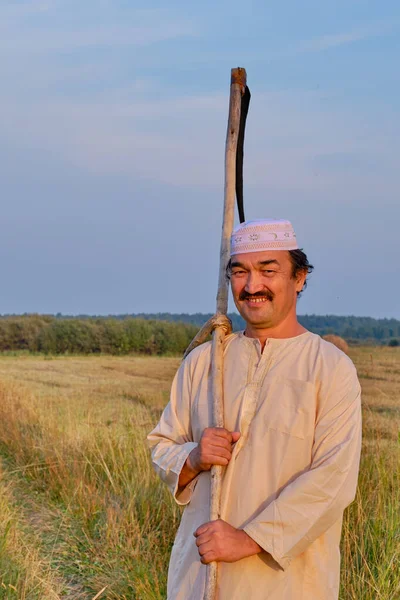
column 245, row 295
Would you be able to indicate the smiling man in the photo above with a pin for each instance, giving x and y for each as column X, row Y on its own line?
column 291, row 442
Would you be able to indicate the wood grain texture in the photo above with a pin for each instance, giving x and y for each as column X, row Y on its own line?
column 238, row 86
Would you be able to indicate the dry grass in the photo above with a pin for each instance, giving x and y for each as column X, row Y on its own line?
column 72, row 438
column 24, row 574
column 86, row 512
column 371, row 541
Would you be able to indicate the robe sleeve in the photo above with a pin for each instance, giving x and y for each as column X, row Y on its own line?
column 315, row 500
column 171, row 441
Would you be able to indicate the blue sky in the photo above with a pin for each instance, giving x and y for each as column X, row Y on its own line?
column 112, row 131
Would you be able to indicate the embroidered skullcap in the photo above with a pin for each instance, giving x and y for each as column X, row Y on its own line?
column 263, row 234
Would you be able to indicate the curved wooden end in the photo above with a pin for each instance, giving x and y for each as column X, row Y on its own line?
column 239, row 76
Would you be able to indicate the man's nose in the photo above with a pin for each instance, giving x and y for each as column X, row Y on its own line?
column 254, row 283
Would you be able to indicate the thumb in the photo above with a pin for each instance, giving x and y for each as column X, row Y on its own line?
column 235, row 436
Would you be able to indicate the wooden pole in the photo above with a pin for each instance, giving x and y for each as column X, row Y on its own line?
column 238, row 86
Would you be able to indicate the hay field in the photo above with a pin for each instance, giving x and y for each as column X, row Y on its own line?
column 82, row 515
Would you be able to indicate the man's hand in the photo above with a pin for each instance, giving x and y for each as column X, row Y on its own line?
column 215, row 448
column 219, row 541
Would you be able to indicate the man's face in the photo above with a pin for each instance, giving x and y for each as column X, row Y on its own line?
column 263, row 287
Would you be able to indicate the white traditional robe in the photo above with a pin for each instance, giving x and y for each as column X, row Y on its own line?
column 292, row 472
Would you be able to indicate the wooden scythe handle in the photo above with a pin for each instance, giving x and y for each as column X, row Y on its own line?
column 238, row 86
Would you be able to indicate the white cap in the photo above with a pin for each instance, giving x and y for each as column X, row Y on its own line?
column 263, row 234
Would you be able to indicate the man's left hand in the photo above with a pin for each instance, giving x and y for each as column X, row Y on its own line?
column 219, row 541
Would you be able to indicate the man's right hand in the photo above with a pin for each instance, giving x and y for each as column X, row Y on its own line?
column 215, row 448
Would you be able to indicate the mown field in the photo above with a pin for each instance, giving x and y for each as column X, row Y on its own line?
column 82, row 516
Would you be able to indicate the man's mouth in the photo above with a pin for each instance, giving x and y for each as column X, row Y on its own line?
column 259, row 298
column 256, row 300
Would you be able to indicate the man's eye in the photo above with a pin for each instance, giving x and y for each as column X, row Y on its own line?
column 268, row 271
column 238, row 272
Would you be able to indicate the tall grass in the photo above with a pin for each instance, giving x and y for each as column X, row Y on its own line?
column 102, row 478
column 83, row 503
column 371, row 531
column 23, row 573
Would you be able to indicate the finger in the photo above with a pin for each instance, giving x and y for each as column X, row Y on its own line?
column 207, row 558
column 235, row 436
column 214, row 459
column 218, row 442
column 222, row 432
column 212, row 449
column 203, row 538
column 202, row 529
column 205, row 547
column 218, row 451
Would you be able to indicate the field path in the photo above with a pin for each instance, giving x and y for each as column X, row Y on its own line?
column 47, row 531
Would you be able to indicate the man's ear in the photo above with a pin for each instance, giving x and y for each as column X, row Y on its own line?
column 300, row 280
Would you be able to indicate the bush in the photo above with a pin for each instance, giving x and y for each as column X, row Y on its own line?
column 393, row 343
column 20, row 333
column 337, row 341
column 88, row 336
column 68, row 336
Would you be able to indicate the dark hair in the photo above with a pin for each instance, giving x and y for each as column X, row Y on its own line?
column 300, row 264
column 299, row 261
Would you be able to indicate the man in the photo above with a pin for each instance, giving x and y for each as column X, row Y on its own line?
column 291, row 442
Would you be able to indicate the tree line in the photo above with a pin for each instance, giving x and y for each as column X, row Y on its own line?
column 353, row 329
column 161, row 333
